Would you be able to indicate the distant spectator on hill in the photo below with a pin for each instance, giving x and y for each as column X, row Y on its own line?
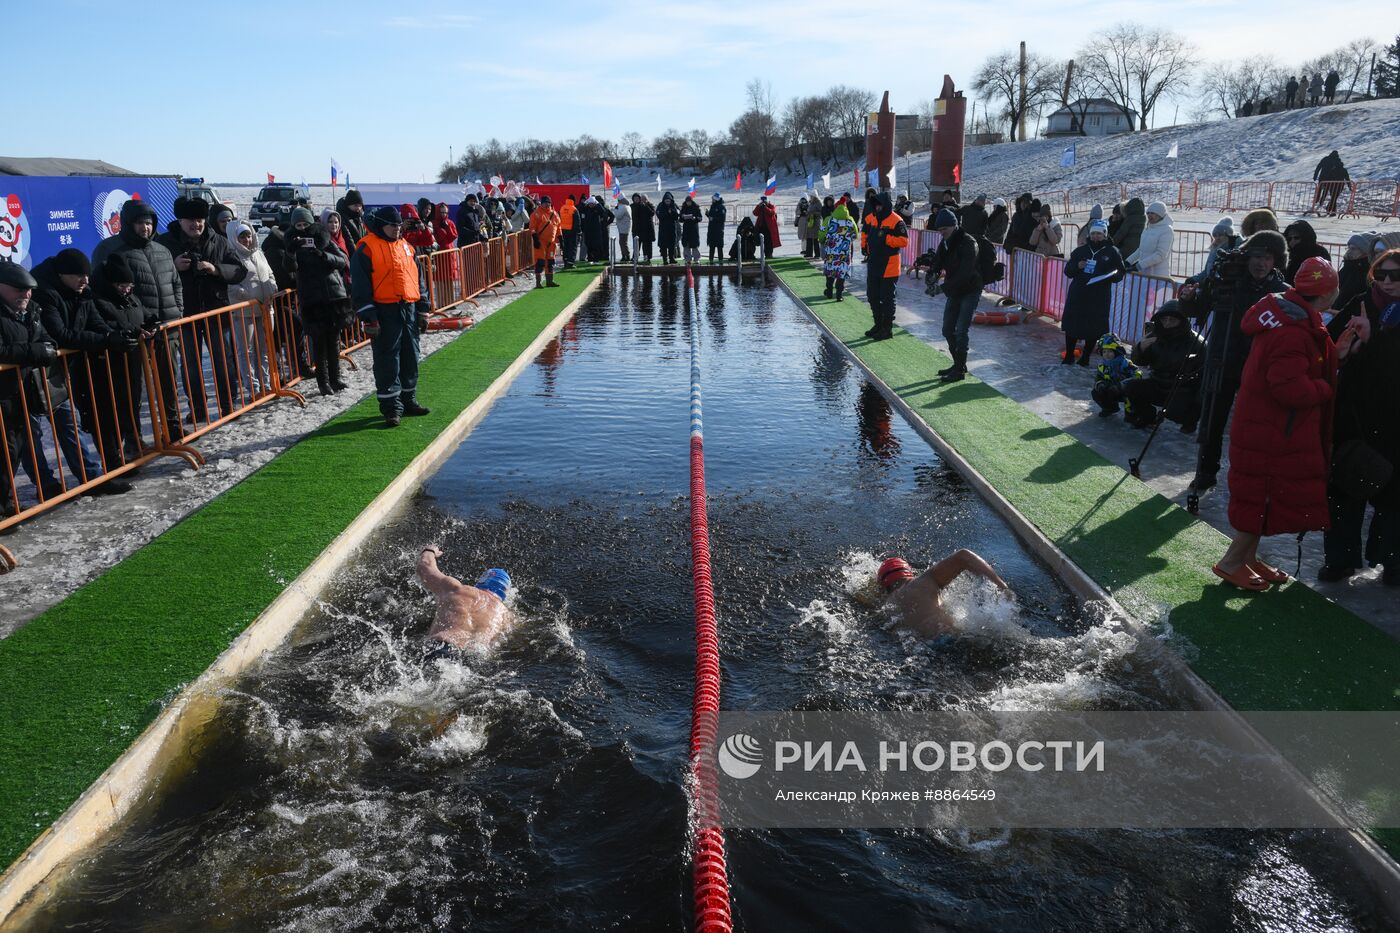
column 1331, row 177
column 1315, row 90
column 1291, row 89
column 1248, row 109
column 1330, row 85
column 998, row 222
column 1129, row 235
column 1302, row 246
column 1265, row 105
column 1261, row 218
column 1154, row 252
column 974, row 216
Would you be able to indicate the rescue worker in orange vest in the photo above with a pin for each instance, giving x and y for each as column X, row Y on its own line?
column 544, row 231
column 886, row 238
column 568, row 224
column 386, row 285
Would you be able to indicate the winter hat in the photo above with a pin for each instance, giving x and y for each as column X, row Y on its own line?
column 1170, row 308
column 1160, row 209
column 1261, row 218
column 217, row 212
column 1099, row 226
column 15, row 275
column 1223, row 227
column 236, row 230
column 980, row 199
column 1315, row 278
column 72, row 261
column 1359, row 241
column 135, row 210
column 300, row 215
column 327, row 214
column 1270, row 242
column 191, row 208
column 117, row 270
column 1111, row 342
column 999, row 202
column 944, row 218
column 1096, row 212
column 716, row 197
column 388, row 216
column 354, row 197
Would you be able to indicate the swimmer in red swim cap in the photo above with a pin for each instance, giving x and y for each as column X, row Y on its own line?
column 917, row 599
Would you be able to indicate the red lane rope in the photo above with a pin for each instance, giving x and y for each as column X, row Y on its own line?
column 711, row 879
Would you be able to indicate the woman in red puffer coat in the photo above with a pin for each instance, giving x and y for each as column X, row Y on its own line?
column 1281, row 434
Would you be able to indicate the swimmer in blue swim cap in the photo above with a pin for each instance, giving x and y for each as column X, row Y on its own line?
column 917, row 599
column 469, row 617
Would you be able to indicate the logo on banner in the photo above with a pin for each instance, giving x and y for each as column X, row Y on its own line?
column 14, row 231
column 107, row 211
column 740, row 756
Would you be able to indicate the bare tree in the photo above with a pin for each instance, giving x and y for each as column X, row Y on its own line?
column 1352, row 62
column 926, row 109
column 849, row 107
column 1135, row 66
column 998, row 83
column 1225, row 87
column 697, row 145
column 632, row 144
column 670, row 147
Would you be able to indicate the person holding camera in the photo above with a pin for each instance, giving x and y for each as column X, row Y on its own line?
column 320, row 267
column 1281, row 441
column 468, row 220
column 416, row 232
column 1170, row 351
column 387, row 288
column 544, row 234
column 1239, row 280
column 207, row 266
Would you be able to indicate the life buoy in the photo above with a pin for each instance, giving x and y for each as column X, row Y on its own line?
column 999, row 316
column 450, row 323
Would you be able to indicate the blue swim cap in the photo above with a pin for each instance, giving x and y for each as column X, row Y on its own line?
column 495, row 581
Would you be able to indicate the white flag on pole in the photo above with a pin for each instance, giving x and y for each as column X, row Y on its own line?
column 658, row 181
column 1172, row 152
column 893, row 183
column 826, row 181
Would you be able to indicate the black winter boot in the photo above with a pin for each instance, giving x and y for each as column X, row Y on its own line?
column 333, row 367
column 411, row 408
column 840, row 287
column 829, row 284
column 549, row 280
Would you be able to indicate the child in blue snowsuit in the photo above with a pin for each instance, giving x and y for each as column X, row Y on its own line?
column 1115, row 370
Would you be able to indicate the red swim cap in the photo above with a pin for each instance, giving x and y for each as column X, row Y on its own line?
column 893, row 572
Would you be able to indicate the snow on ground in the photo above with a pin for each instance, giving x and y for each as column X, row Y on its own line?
column 63, row 549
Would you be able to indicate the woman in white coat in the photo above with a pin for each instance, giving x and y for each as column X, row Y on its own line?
column 1154, row 252
column 259, row 285
column 622, row 222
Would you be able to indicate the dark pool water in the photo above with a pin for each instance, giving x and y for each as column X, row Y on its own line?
column 349, row 786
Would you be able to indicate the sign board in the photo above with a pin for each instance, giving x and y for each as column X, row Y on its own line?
column 39, row 215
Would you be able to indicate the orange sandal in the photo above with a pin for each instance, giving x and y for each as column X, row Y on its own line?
column 1244, row 579
column 1269, row 574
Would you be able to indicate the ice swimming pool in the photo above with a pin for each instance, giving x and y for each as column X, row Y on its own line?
column 350, row 786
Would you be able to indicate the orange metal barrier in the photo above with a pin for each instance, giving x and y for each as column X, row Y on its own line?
column 1378, row 198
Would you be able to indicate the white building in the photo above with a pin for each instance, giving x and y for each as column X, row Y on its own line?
column 1102, row 117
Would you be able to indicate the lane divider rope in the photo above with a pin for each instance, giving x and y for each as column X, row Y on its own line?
column 711, row 878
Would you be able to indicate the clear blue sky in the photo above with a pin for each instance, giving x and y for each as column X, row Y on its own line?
column 236, row 89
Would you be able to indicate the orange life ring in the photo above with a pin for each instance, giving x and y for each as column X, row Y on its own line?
column 999, row 316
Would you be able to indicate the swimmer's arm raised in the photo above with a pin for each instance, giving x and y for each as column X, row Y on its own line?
column 963, row 561
column 434, row 579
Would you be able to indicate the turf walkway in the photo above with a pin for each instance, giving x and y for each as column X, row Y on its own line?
column 1289, row 649
column 79, row 683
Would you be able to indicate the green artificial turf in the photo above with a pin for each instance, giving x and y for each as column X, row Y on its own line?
column 1289, row 649
column 79, row 683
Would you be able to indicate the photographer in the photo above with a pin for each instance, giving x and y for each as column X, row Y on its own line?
column 1171, row 353
column 468, row 221
column 207, row 265
column 416, row 232
column 1239, row 280
column 320, row 267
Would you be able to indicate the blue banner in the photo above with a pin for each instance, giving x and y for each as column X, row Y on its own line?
column 40, row 216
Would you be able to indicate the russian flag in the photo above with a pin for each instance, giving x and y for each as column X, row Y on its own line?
column 583, row 179
column 335, row 172
column 772, row 187
column 617, row 188
column 690, row 188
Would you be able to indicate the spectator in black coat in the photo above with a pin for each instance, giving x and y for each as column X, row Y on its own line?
column 113, row 285
column 998, row 222
column 351, row 209
column 71, row 318
column 1353, row 278
column 1088, row 302
column 747, row 241
column 974, row 216
column 668, row 232
column 468, row 219
column 1332, row 177
column 207, row 264
column 690, row 217
column 643, row 226
column 23, row 343
column 1023, row 224
column 320, row 268
column 1227, row 346
column 1302, row 245
column 1330, row 85
column 1170, row 353
column 956, row 259
column 1292, row 91
column 714, row 233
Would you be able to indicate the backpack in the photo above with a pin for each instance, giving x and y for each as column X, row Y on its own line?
column 989, row 269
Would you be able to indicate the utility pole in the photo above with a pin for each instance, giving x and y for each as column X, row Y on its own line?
column 1372, row 77
column 1022, row 108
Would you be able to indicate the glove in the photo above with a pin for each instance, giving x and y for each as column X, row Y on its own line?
column 536, row 239
column 421, row 319
column 45, row 353
column 121, row 340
